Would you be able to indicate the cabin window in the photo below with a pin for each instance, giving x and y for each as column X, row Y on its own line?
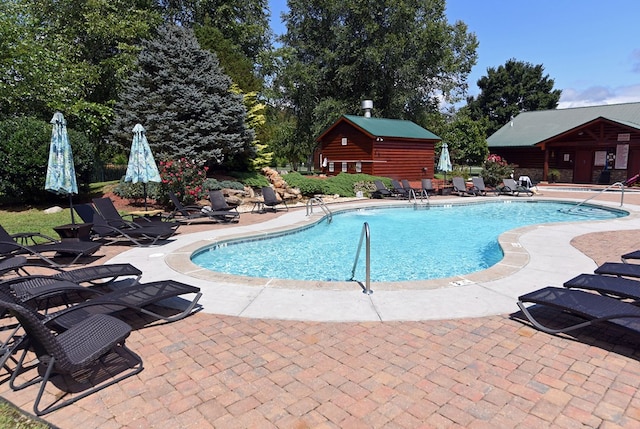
column 358, row 167
column 344, row 166
column 344, row 141
column 331, row 167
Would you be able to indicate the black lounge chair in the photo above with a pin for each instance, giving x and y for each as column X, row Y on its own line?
column 136, row 234
column 101, row 276
column 590, row 307
column 271, row 200
column 138, row 297
column 398, row 190
column 480, row 188
column 619, row 269
column 460, row 187
column 616, row 287
column 189, row 213
column 511, row 187
column 36, row 244
column 407, row 186
column 219, row 205
column 381, row 190
column 219, row 202
column 91, row 353
column 110, row 213
column 13, row 264
column 427, row 187
column 635, row 255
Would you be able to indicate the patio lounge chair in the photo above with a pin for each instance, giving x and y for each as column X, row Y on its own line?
column 511, row 187
column 103, row 230
column 635, row 255
column 271, row 200
column 617, row 287
column 619, row 269
column 97, row 275
column 110, row 213
column 137, row 297
column 407, row 186
column 219, row 203
column 591, row 308
column 189, row 213
column 480, row 187
column 381, row 190
column 36, row 244
column 427, row 187
column 460, row 187
column 14, row 264
column 398, row 190
column 88, row 353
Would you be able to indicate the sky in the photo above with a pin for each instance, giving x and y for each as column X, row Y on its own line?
column 591, row 49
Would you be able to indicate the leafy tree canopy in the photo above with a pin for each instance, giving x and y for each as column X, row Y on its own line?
column 510, row 89
column 404, row 56
column 184, row 101
column 244, row 22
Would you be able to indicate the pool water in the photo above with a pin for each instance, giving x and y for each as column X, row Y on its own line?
column 406, row 244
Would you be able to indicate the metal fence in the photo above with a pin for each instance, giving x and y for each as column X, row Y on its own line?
column 107, row 172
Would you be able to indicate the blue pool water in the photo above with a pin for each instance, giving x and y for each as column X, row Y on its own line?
column 406, row 244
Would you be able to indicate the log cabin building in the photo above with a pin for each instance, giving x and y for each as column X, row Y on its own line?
column 392, row 148
column 591, row 145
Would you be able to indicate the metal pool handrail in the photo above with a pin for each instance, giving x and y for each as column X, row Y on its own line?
column 620, row 184
column 322, row 205
column 366, row 234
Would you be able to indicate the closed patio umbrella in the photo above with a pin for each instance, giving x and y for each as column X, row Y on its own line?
column 444, row 164
column 142, row 167
column 61, row 173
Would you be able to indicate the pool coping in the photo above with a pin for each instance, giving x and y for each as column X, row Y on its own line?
column 530, row 261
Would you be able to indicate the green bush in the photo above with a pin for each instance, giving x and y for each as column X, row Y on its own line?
column 308, row 185
column 344, row 184
column 252, row 179
column 213, row 185
column 24, row 153
column 135, row 191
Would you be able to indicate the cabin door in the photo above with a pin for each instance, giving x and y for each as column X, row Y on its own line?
column 582, row 167
column 633, row 167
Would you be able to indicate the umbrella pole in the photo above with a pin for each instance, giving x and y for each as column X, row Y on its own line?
column 144, row 191
column 73, row 219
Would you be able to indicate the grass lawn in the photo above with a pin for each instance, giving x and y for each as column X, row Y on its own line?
column 12, row 417
column 21, row 219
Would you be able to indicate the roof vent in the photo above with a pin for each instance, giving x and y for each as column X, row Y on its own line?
column 367, row 105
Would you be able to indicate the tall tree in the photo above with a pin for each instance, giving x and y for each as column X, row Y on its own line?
column 243, row 22
column 185, row 102
column 38, row 73
column 515, row 87
column 403, row 55
column 71, row 56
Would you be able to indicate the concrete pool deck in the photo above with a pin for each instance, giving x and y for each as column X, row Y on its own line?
column 535, row 257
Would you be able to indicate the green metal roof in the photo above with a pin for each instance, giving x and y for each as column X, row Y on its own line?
column 379, row 127
column 530, row 128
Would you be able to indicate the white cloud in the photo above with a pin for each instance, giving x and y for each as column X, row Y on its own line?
column 599, row 95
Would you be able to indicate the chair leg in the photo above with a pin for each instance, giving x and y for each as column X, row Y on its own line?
column 134, row 369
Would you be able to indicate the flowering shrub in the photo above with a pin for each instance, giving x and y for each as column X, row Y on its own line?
column 495, row 169
column 184, row 178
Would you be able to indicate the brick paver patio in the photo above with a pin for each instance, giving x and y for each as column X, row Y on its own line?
column 495, row 372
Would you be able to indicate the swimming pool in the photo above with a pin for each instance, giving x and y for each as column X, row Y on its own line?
column 406, row 244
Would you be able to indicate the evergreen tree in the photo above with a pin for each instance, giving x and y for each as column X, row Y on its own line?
column 183, row 99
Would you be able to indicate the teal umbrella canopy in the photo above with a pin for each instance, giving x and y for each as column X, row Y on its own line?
column 61, row 173
column 444, row 164
column 142, row 167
